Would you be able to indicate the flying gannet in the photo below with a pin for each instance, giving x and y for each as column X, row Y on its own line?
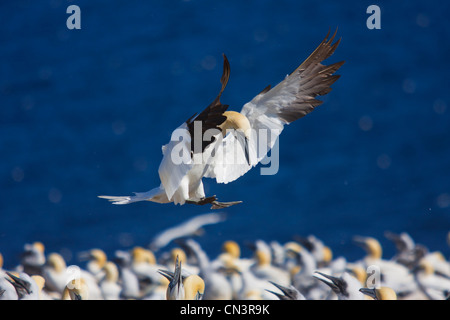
column 224, row 145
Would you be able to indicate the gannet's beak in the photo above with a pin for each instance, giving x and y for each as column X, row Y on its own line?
column 336, row 284
column 247, row 156
column 77, row 296
column 198, row 296
column 369, row 292
column 360, row 241
column 175, row 288
column 18, row 283
column 284, row 290
column 167, row 274
column 243, row 140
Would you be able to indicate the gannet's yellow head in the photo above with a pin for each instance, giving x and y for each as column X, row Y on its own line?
column 292, row 248
column 371, row 246
column 426, row 266
column 111, row 272
column 359, row 273
column 327, row 254
column 374, row 248
column 236, row 121
column 1, row 261
column 40, row 281
column 194, row 287
column 39, row 246
column 56, row 262
column 294, row 270
column 263, row 258
column 382, row 293
column 178, row 253
column 232, row 248
column 140, row 254
column 76, row 289
column 386, row 293
column 99, row 256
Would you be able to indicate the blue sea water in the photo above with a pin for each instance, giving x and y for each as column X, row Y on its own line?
column 85, row 112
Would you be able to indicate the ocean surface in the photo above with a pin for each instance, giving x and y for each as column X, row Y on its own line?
column 85, row 112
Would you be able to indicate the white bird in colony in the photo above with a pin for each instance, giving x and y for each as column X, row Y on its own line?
column 128, row 279
column 391, row 274
column 55, row 273
column 252, row 287
column 109, row 284
column 231, row 257
column 216, row 284
column 303, row 270
column 180, row 287
column 263, row 268
column 33, row 258
column 225, row 144
column 438, row 262
column 346, row 286
column 322, row 254
column 96, row 261
column 144, row 266
column 408, row 253
column 403, row 241
column 434, row 286
column 231, row 264
column 188, row 228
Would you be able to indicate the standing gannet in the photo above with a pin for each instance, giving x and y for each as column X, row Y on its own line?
column 181, row 287
column 109, row 285
column 392, row 274
column 55, row 273
column 224, row 145
column 128, row 279
column 96, row 261
column 32, row 258
column 218, row 286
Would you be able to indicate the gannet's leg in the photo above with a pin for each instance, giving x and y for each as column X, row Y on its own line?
column 213, row 200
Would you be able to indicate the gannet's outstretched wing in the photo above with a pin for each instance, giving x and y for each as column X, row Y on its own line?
column 294, row 97
column 270, row 110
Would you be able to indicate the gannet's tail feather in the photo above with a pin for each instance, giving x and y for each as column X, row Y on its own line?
column 155, row 195
column 121, row 199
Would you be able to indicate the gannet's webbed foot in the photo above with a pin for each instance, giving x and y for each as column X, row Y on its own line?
column 213, row 200
column 202, row 201
column 221, row 205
